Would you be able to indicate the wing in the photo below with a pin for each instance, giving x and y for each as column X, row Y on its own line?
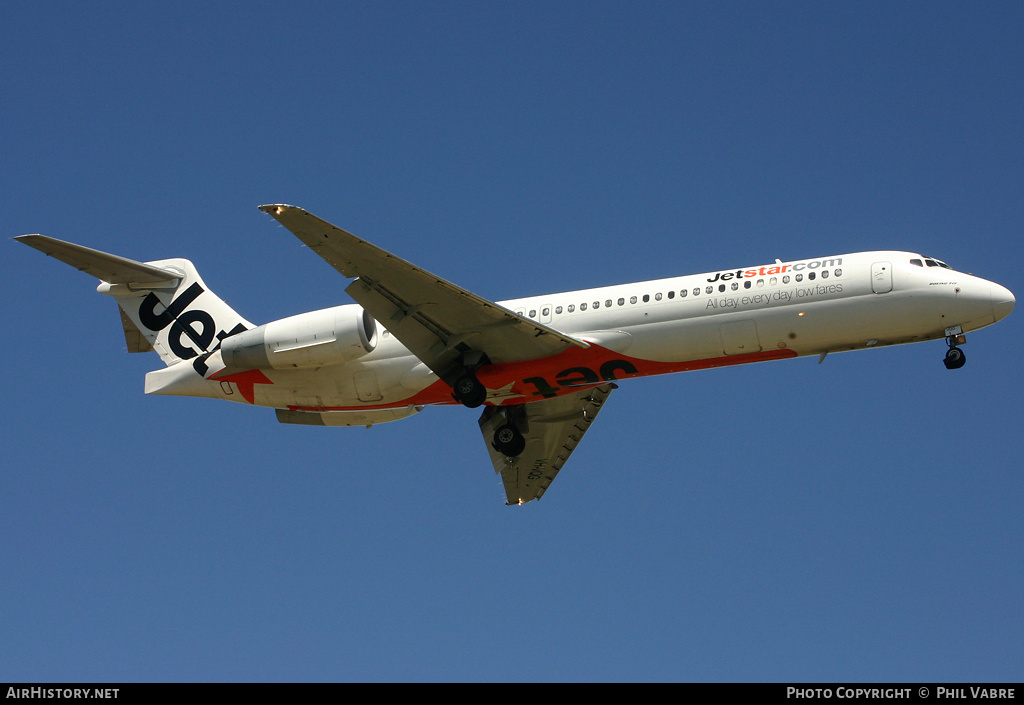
column 552, row 429
column 436, row 320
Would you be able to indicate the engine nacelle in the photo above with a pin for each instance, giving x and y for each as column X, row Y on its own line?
column 315, row 339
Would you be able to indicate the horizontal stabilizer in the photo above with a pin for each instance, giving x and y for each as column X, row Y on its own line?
column 104, row 266
column 165, row 307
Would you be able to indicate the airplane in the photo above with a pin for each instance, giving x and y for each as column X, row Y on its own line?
column 542, row 366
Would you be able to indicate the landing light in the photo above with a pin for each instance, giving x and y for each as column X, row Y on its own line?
column 801, row 313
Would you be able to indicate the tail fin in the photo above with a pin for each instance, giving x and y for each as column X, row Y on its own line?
column 165, row 305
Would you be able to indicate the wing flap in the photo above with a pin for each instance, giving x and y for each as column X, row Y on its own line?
column 552, row 428
column 366, row 418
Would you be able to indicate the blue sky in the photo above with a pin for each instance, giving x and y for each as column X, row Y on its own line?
column 857, row 520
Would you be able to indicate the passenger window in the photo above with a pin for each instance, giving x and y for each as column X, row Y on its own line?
column 735, row 286
column 671, row 294
column 546, row 312
column 785, row 279
column 597, row 304
column 760, row 282
column 810, row 276
column 608, row 303
column 824, row 274
column 533, row 313
column 721, row 287
column 682, row 294
column 657, row 297
column 839, row 272
column 647, row 297
column 696, row 290
column 632, row 299
column 622, row 302
column 583, row 307
column 746, row 284
column 572, row 307
column 558, row 310
column 799, row 277
column 708, row 289
column 773, row 281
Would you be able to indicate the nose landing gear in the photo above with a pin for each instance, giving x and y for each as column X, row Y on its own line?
column 955, row 357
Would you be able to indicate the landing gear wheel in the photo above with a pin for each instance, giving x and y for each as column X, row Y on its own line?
column 469, row 392
column 509, row 441
column 954, row 359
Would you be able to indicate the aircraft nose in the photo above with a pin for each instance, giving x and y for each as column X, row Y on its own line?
column 1002, row 301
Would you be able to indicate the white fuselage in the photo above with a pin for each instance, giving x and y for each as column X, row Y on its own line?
column 750, row 314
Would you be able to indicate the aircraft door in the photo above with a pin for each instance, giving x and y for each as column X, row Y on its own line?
column 881, row 277
column 739, row 337
column 367, row 388
column 545, row 313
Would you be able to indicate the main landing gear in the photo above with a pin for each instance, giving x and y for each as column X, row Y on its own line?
column 506, row 426
column 955, row 357
column 508, row 441
column 468, row 391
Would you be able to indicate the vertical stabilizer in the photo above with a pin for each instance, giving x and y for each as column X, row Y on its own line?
column 180, row 319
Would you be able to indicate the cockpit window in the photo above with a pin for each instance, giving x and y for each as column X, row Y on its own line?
column 929, row 261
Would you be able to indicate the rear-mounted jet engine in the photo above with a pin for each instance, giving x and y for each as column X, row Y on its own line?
column 330, row 336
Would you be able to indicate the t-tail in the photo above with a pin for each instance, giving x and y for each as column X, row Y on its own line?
column 165, row 306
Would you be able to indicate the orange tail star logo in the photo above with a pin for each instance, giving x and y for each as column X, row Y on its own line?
column 246, row 382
